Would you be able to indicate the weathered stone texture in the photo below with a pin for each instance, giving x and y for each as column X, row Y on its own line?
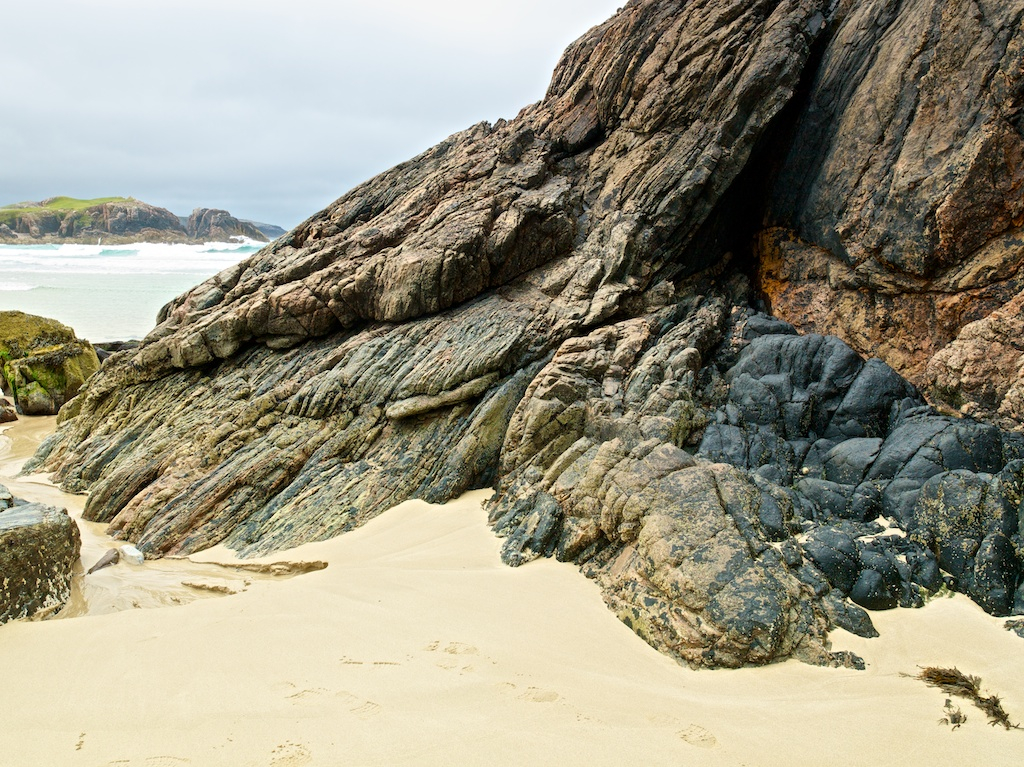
column 39, row 546
column 559, row 306
column 901, row 201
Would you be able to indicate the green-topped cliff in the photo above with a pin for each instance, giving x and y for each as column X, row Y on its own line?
column 117, row 219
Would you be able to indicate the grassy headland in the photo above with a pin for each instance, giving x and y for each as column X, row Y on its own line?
column 9, row 214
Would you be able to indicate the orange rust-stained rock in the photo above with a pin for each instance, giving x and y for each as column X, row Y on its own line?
column 901, row 198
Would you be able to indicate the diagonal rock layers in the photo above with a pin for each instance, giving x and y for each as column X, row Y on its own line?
column 559, row 306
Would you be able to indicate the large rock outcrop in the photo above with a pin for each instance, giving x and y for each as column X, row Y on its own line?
column 220, row 226
column 898, row 213
column 123, row 217
column 39, row 546
column 42, row 363
column 61, row 219
column 559, row 306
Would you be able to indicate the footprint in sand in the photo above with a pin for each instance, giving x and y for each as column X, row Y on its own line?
column 290, row 755
column 305, row 694
column 696, row 735
column 454, row 665
column 539, row 695
column 366, row 710
column 360, row 707
column 531, row 694
column 458, row 648
column 452, row 648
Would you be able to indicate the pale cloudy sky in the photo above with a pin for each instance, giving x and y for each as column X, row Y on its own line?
column 269, row 109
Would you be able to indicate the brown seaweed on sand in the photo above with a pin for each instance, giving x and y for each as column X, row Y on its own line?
column 952, row 681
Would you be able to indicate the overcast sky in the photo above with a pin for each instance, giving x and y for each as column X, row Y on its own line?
column 270, row 110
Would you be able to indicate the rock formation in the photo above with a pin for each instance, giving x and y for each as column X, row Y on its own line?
column 562, row 307
column 42, row 363
column 982, row 370
column 219, row 226
column 897, row 216
column 39, row 546
column 117, row 220
column 270, row 231
column 129, row 217
column 62, row 218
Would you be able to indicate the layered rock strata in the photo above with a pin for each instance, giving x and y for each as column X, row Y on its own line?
column 39, row 546
column 556, row 306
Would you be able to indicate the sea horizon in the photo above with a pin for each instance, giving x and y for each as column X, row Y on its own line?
column 109, row 293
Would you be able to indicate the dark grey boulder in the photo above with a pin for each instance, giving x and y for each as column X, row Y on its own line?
column 996, row 574
column 836, row 555
column 848, row 616
column 39, row 546
column 849, row 461
column 945, row 481
column 878, row 586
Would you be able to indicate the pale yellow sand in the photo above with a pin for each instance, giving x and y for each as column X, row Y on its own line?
column 416, row 646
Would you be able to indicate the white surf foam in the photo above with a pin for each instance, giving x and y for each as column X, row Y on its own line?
column 135, row 258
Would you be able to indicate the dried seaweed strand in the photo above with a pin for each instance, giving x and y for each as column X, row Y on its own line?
column 952, row 681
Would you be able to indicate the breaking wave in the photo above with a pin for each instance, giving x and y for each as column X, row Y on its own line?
column 137, row 258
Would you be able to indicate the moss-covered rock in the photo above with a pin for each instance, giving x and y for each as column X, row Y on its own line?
column 42, row 363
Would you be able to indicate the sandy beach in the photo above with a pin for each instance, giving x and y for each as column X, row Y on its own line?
column 416, row 646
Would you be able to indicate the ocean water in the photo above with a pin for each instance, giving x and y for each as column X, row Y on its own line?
column 108, row 293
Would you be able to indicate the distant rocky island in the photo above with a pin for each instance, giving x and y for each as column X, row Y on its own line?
column 122, row 219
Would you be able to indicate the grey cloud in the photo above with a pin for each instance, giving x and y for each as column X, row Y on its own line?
column 271, row 110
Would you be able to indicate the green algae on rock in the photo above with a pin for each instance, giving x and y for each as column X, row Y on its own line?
column 42, row 363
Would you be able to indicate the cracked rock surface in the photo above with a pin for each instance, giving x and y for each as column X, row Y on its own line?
column 39, row 546
column 560, row 306
column 896, row 220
